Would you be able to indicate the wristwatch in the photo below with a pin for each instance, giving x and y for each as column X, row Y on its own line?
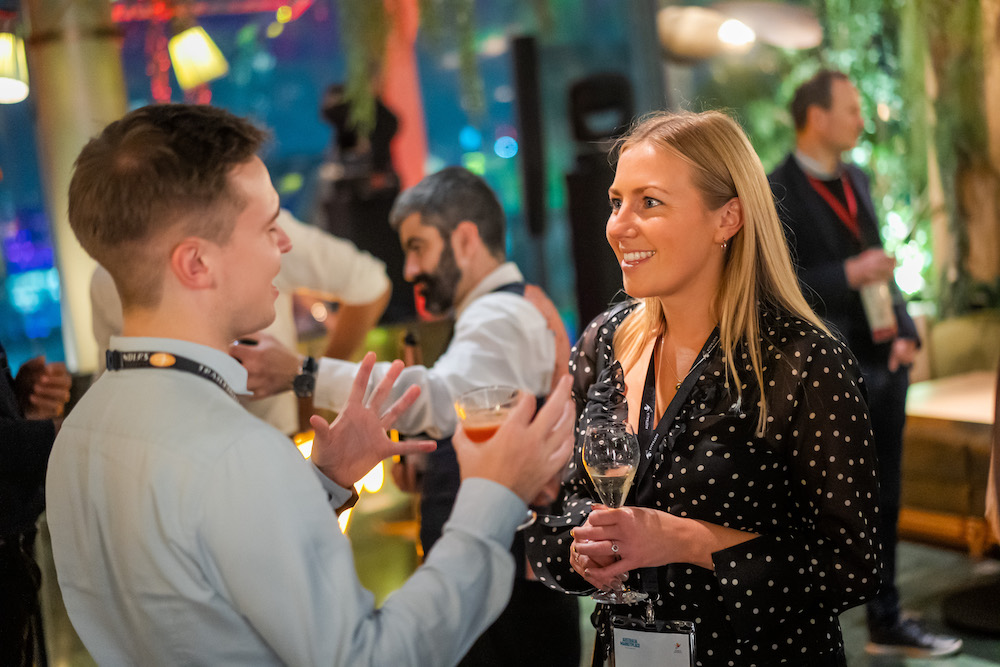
column 304, row 383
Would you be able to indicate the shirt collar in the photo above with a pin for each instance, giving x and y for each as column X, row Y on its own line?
column 226, row 366
column 814, row 169
column 504, row 274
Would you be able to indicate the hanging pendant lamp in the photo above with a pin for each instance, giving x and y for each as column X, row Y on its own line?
column 13, row 69
column 195, row 57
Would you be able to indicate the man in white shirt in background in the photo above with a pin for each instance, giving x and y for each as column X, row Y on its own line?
column 319, row 264
column 453, row 232
column 184, row 529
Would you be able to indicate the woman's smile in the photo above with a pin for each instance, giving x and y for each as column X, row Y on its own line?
column 634, row 257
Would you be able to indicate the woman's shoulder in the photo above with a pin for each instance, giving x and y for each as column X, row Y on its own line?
column 601, row 330
column 788, row 333
column 609, row 321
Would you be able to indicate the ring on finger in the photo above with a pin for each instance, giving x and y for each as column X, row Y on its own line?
column 614, row 547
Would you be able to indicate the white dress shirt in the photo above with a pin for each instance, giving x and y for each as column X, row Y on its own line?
column 499, row 338
column 326, row 266
column 187, row 531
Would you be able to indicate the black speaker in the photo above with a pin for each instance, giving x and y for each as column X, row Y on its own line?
column 530, row 140
column 600, row 108
column 598, row 276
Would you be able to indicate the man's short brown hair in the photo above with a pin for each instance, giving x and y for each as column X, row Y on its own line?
column 817, row 91
column 154, row 168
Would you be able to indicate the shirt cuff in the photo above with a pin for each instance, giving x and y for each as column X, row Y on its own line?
column 488, row 509
column 337, row 494
column 333, row 383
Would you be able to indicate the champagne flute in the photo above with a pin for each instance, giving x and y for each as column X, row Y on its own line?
column 481, row 412
column 610, row 456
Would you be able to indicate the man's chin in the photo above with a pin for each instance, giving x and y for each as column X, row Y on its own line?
column 257, row 325
column 435, row 306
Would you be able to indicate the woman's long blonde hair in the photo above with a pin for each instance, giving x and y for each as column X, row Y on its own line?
column 757, row 266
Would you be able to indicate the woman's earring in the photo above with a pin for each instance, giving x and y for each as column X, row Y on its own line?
column 724, row 243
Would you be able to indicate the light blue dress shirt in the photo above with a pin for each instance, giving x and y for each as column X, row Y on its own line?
column 187, row 531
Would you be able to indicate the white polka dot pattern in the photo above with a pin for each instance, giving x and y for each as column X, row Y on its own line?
column 807, row 487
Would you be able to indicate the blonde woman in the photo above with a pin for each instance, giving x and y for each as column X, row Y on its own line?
column 753, row 511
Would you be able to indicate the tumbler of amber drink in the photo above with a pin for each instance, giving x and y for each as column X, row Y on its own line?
column 482, row 410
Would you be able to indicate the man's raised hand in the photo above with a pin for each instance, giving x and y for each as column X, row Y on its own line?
column 357, row 439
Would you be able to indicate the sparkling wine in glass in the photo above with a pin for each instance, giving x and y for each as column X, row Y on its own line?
column 610, row 456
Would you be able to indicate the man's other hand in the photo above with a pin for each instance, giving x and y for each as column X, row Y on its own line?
column 42, row 389
column 271, row 367
column 903, row 353
column 869, row 266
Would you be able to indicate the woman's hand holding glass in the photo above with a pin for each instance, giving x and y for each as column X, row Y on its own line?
column 614, row 541
column 610, row 456
column 644, row 537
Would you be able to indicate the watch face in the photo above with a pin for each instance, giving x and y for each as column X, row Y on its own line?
column 304, row 385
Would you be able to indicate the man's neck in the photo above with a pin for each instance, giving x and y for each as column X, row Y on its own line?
column 471, row 279
column 822, row 158
column 147, row 323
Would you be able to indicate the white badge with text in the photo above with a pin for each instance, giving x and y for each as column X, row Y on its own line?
column 639, row 648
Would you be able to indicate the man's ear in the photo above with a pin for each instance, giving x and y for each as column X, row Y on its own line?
column 190, row 263
column 731, row 221
column 465, row 241
column 815, row 117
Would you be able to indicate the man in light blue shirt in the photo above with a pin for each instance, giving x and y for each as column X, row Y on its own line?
column 186, row 531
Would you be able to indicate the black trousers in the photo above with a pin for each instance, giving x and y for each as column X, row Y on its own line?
column 539, row 628
column 887, row 409
column 21, row 643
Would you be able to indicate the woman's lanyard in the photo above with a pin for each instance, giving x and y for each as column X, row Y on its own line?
column 117, row 361
column 650, row 437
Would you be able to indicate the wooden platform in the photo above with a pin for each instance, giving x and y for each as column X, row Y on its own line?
column 946, row 450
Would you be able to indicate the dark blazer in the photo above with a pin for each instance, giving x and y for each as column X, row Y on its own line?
column 820, row 243
column 24, row 452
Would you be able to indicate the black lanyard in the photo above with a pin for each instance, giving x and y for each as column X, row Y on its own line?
column 117, row 360
column 650, row 437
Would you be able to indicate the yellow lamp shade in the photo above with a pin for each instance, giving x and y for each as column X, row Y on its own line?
column 13, row 69
column 196, row 58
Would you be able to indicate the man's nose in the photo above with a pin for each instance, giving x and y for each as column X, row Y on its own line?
column 284, row 243
column 411, row 269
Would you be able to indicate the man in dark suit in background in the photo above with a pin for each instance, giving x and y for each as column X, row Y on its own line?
column 31, row 410
column 830, row 221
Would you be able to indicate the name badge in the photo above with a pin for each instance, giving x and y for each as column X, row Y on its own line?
column 669, row 644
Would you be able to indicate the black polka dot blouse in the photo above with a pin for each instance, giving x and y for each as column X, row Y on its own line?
column 807, row 486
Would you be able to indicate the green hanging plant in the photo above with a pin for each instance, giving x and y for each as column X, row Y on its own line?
column 364, row 28
column 460, row 15
column 948, row 42
column 365, row 25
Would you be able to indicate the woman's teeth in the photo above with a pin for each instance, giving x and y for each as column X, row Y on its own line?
column 637, row 256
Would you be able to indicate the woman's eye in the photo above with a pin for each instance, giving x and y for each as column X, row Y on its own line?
column 650, row 202
column 616, row 204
